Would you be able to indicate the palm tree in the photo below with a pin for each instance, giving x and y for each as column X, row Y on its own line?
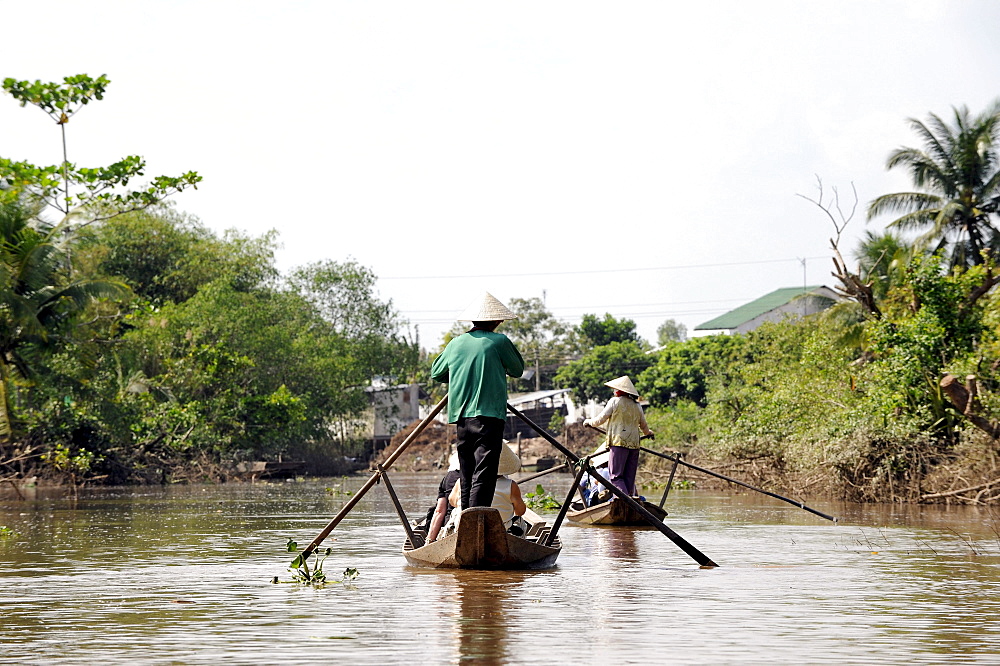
column 39, row 294
column 882, row 259
column 958, row 186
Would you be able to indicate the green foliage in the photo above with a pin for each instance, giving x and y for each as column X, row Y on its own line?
column 587, row 375
column 102, row 191
column 343, row 296
column 957, row 181
column 41, row 297
column 73, row 463
column 166, row 257
column 671, row 331
column 685, row 370
column 882, row 260
column 300, row 567
column 556, row 423
column 601, row 332
column 678, row 425
column 541, row 338
column 541, row 500
column 6, row 532
column 316, row 577
column 214, row 361
column 58, row 100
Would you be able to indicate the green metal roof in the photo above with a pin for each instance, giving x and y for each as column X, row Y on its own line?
column 753, row 309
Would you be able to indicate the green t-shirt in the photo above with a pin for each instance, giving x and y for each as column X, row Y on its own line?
column 475, row 365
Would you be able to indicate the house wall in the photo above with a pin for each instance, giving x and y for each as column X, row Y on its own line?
column 394, row 409
column 800, row 307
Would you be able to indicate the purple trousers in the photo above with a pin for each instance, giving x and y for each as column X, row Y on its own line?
column 623, row 464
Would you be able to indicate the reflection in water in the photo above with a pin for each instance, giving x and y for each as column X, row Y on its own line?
column 617, row 544
column 480, row 602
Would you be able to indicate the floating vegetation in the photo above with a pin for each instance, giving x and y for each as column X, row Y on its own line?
column 337, row 490
column 302, row 574
column 6, row 531
column 540, row 500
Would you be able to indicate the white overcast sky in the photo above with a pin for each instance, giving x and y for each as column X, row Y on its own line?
column 634, row 158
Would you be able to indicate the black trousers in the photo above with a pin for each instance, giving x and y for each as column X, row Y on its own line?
column 479, row 442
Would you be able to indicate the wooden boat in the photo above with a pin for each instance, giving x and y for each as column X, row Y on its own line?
column 481, row 542
column 612, row 513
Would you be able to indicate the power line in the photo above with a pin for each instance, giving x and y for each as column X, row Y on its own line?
column 605, row 270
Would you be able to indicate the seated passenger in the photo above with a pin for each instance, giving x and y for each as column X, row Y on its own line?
column 593, row 491
column 438, row 515
column 507, row 496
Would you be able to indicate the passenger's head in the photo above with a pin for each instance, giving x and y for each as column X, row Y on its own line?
column 509, row 462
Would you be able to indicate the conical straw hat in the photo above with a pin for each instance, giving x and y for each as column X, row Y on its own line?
column 623, row 383
column 487, row 309
column 509, row 462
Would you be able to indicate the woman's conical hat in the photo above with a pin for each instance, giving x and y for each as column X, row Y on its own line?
column 487, row 308
column 509, row 462
column 624, row 384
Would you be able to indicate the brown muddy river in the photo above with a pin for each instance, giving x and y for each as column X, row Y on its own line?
column 182, row 575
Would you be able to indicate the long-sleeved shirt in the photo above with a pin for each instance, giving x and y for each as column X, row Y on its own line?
column 476, row 365
column 625, row 419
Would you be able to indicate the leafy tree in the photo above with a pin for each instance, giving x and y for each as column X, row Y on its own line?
column 586, row 376
column 344, row 296
column 932, row 321
column 882, row 259
column 958, row 185
column 102, row 191
column 40, row 296
column 542, row 339
column 166, row 256
column 671, row 331
column 599, row 332
column 686, row 370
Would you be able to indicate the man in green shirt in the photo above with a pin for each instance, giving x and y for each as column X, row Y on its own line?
column 476, row 365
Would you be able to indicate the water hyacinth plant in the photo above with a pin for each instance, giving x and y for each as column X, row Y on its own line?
column 541, row 500
column 301, row 573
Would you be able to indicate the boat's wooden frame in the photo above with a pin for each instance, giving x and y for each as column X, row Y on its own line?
column 613, row 512
column 481, row 542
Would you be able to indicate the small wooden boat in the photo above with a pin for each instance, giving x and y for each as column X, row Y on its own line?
column 481, row 542
column 612, row 513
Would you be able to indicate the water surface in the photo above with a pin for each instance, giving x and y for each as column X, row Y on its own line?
column 182, row 575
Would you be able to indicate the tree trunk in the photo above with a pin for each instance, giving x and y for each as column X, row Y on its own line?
column 965, row 401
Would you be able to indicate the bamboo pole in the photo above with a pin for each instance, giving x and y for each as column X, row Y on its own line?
column 670, row 482
column 373, row 480
column 565, row 507
column 399, row 507
column 557, row 468
column 739, row 483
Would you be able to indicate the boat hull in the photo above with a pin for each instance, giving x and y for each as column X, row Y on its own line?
column 613, row 513
column 481, row 542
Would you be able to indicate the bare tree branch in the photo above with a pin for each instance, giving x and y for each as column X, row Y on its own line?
column 852, row 284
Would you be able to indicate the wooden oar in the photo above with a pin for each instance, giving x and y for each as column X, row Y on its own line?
column 678, row 459
column 374, row 479
column 695, row 554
